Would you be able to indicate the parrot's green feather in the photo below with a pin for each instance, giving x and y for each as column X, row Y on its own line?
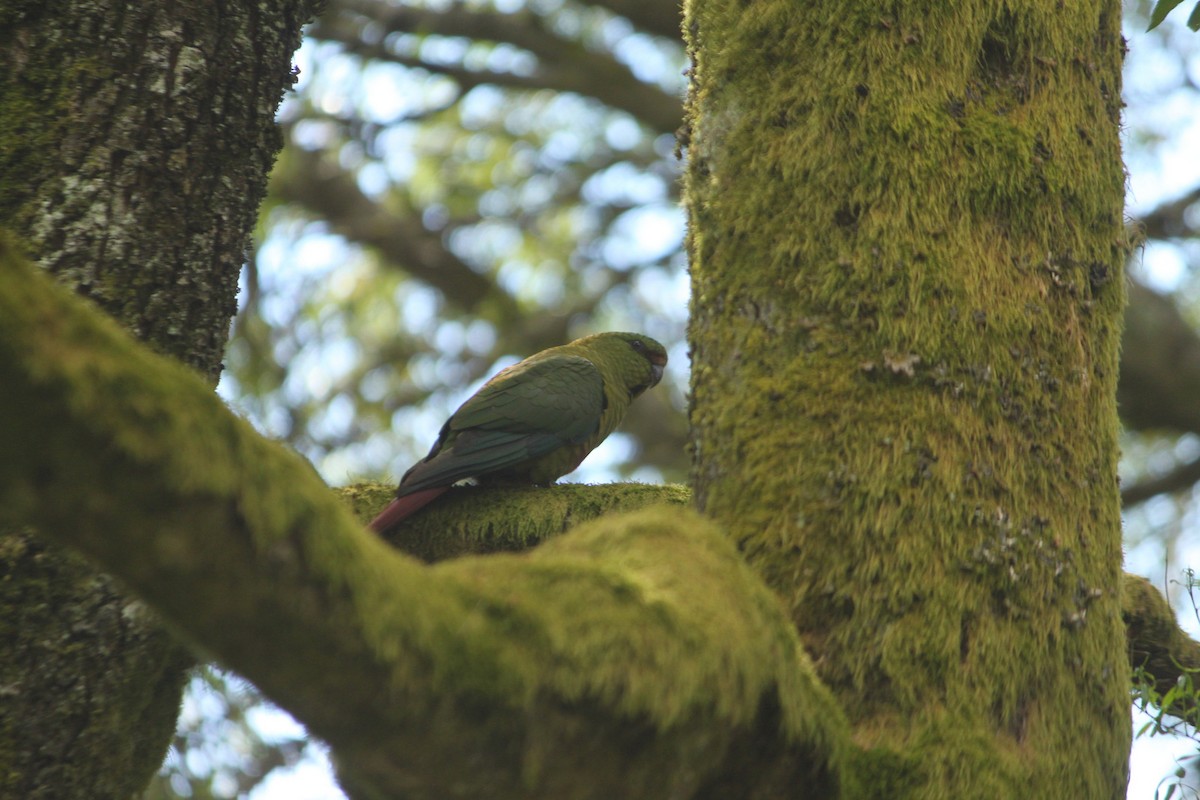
column 535, row 421
column 562, row 393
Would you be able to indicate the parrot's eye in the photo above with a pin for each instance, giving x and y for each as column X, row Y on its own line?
column 637, row 344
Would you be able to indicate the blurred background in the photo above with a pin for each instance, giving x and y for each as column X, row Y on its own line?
column 466, row 183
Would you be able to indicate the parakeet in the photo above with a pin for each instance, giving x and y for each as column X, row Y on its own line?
column 534, row 421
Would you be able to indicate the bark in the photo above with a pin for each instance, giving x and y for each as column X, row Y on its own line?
column 134, row 145
column 907, row 248
column 139, row 160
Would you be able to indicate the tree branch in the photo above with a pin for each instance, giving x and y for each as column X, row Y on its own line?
column 518, row 519
column 1168, row 221
column 1176, row 480
column 1159, row 381
column 308, row 180
column 637, row 657
column 1160, row 365
column 1156, row 642
column 562, row 65
column 657, row 17
column 524, row 29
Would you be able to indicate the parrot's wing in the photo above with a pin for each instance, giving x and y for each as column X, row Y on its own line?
column 525, row 412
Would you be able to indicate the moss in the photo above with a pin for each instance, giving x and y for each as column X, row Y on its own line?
column 478, row 520
column 904, row 365
column 650, row 615
column 1158, row 648
column 124, row 179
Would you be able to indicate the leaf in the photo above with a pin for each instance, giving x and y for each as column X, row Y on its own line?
column 1161, row 9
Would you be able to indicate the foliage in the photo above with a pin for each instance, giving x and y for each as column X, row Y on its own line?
column 1164, row 7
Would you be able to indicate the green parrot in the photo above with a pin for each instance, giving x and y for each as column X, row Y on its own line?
column 534, row 421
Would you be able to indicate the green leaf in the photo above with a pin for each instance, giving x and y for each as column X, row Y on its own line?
column 1161, row 9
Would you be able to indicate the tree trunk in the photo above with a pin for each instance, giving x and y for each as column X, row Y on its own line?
column 907, row 246
column 135, row 140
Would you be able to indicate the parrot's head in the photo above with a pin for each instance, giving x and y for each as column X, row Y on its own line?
column 637, row 360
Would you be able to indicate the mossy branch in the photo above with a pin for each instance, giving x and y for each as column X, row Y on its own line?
column 636, row 657
column 480, row 520
column 1158, row 646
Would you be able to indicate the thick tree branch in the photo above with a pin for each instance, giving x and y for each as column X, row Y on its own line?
column 637, row 657
column 443, row 531
column 1156, row 642
column 135, row 142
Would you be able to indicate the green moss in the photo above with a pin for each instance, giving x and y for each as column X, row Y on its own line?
column 906, row 249
column 652, row 615
column 478, row 520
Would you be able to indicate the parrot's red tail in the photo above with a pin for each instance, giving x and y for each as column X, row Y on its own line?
column 403, row 507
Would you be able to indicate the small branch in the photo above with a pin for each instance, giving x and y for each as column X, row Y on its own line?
column 304, row 177
column 1176, row 480
column 662, row 18
column 345, row 19
column 562, row 65
column 1160, row 365
column 1168, row 220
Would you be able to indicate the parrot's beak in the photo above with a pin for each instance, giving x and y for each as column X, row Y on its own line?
column 656, row 373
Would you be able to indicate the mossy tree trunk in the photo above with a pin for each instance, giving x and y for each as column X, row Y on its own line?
column 135, row 141
column 907, row 248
